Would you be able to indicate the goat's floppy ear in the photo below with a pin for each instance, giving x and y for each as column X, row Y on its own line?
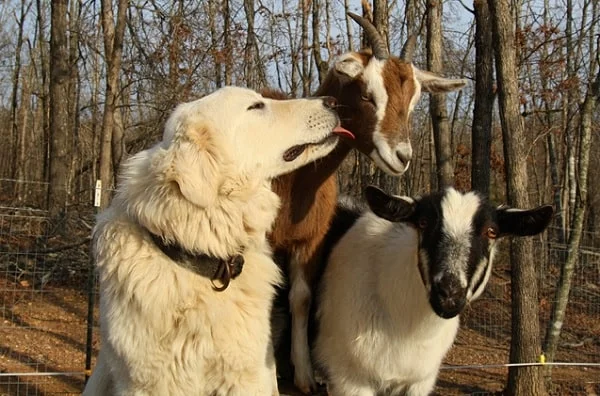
column 522, row 222
column 349, row 66
column 389, row 207
column 195, row 166
column 432, row 83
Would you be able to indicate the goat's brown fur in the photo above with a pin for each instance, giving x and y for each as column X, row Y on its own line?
column 397, row 77
column 309, row 195
column 308, row 200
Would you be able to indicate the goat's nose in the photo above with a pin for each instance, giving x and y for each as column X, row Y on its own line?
column 449, row 297
column 330, row 102
column 446, row 294
column 404, row 154
column 452, row 305
column 448, row 288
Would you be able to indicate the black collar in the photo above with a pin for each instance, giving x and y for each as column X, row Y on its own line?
column 214, row 268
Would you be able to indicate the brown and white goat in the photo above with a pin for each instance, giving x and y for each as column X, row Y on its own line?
column 375, row 95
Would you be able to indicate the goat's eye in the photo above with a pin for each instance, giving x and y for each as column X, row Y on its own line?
column 491, row 233
column 256, row 106
column 422, row 223
column 367, row 98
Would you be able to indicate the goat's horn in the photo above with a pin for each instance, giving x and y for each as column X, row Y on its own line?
column 409, row 49
column 377, row 44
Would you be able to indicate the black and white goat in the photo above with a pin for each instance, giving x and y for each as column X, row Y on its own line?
column 397, row 280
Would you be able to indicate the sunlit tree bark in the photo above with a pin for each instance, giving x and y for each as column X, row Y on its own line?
column 60, row 131
column 525, row 343
column 113, row 49
column 437, row 102
column 481, row 130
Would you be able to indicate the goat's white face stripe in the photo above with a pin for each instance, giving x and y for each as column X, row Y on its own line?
column 373, row 75
column 417, row 95
column 458, row 212
column 383, row 154
column 388, row 154
column 479, row 272
column 484, row 265
column 424, row 269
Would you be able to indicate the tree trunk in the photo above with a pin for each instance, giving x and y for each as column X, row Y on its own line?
column 113, row 48
column 214, row 42
column 349, row 27
column 367, row 13
column 525, row 345
column 481, row 130
column 294, row 54
column 555, row 179
column 96, row 86
column 255, row 74
column 380, row 19
column 117, row 145
column 21, row 164
column 328, row 33
column 44, row 90
column 551, row 148
column 74, row 88
column 437, row 102
column 60, row 132
column 568, row 103
column 227, row 43
column 250, row 68
column 278, row 70
column 306, row 75
column 566, row 274
column 14, row 141
column 322, row 66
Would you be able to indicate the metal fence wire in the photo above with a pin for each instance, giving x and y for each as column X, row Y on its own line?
column 44, row 291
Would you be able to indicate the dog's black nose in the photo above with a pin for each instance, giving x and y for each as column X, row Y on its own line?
column 330, row 102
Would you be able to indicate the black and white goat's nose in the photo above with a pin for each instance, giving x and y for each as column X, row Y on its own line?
column 448, row 298
column 330, row 102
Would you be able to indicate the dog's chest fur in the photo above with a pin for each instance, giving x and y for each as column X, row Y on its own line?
column 168, row 327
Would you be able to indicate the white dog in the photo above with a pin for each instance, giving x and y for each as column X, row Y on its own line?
column 198, row 204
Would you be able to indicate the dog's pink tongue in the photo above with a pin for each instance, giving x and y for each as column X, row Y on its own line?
column 339, row 130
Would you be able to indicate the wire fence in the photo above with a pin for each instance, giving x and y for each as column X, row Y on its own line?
column 44, row 293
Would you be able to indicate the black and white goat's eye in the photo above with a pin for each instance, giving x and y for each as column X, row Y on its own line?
column 422, row 223
column 256, row 106
column 491, row 233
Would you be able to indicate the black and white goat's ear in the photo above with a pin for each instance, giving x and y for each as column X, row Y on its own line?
column 432, row 83
column 389, row 207
column 349, row 66
column 194, row 165
column 523, row 222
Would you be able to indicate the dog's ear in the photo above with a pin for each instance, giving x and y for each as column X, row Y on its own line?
column 195, row 165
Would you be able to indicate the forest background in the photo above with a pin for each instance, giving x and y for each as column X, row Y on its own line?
column 84, row 84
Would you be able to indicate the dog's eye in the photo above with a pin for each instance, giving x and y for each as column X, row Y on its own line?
column 257, row 106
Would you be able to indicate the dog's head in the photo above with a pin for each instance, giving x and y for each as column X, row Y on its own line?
column 237, row 131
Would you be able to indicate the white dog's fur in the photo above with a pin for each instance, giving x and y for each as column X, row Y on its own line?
column 206, row 186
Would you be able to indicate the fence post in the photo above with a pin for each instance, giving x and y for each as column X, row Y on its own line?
column 91, row 278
